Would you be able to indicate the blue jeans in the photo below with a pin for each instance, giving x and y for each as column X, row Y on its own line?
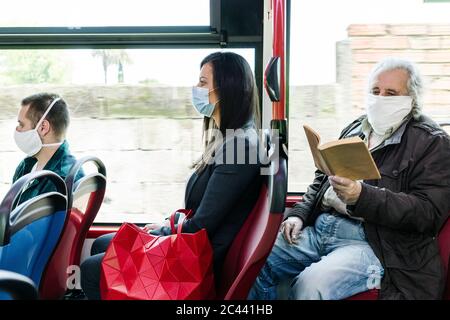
column 332, row 260
column 90, row 269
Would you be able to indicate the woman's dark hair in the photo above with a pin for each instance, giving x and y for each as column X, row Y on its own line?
column 237, row 94
column 236, row 88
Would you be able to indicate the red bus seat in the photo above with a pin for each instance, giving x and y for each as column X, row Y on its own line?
column 251, row 247
column 444, row 247
column 85, row 197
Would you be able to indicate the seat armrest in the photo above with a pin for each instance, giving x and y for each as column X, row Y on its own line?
column 17, row 285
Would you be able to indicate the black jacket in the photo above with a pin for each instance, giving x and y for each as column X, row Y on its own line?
column 404, row 210
column 223, row 195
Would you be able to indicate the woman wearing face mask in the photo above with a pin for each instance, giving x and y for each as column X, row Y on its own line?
column 43, row 120
column 225, row 183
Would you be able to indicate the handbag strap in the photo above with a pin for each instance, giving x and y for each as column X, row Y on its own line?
column 184, row 214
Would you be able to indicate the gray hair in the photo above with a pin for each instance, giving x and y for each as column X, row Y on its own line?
column 414, row 85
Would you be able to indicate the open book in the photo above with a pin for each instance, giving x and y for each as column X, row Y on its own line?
column 349, row 157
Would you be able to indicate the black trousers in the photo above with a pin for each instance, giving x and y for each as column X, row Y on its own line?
column 90, row 268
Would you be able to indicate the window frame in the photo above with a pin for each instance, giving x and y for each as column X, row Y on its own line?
column 224, row 15
column 213, row 36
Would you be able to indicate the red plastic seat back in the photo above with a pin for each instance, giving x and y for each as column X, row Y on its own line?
column 85, row 197
column 444, row 247
column 252, row 245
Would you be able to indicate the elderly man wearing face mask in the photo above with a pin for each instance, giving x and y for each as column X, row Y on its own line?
column 346, row 236
column 43, row 120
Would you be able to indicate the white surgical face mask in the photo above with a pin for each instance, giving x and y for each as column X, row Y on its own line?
column 200, row 101
column 29, row 141
column 387, row 112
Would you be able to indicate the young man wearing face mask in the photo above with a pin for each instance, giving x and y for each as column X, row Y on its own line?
column 43, row 120
column 346, row 236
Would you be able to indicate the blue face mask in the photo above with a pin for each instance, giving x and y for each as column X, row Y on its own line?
column 200, row 101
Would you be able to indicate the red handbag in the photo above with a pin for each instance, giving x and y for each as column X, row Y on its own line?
column 138, row 265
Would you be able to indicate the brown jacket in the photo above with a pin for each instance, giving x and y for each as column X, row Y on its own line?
column 404, row 210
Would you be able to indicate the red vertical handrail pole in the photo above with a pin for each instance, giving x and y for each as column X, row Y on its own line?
column 279, row 42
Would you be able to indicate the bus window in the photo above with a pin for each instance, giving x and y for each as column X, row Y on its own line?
column 100, row 13
column 135, row 115
column 333, row 51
